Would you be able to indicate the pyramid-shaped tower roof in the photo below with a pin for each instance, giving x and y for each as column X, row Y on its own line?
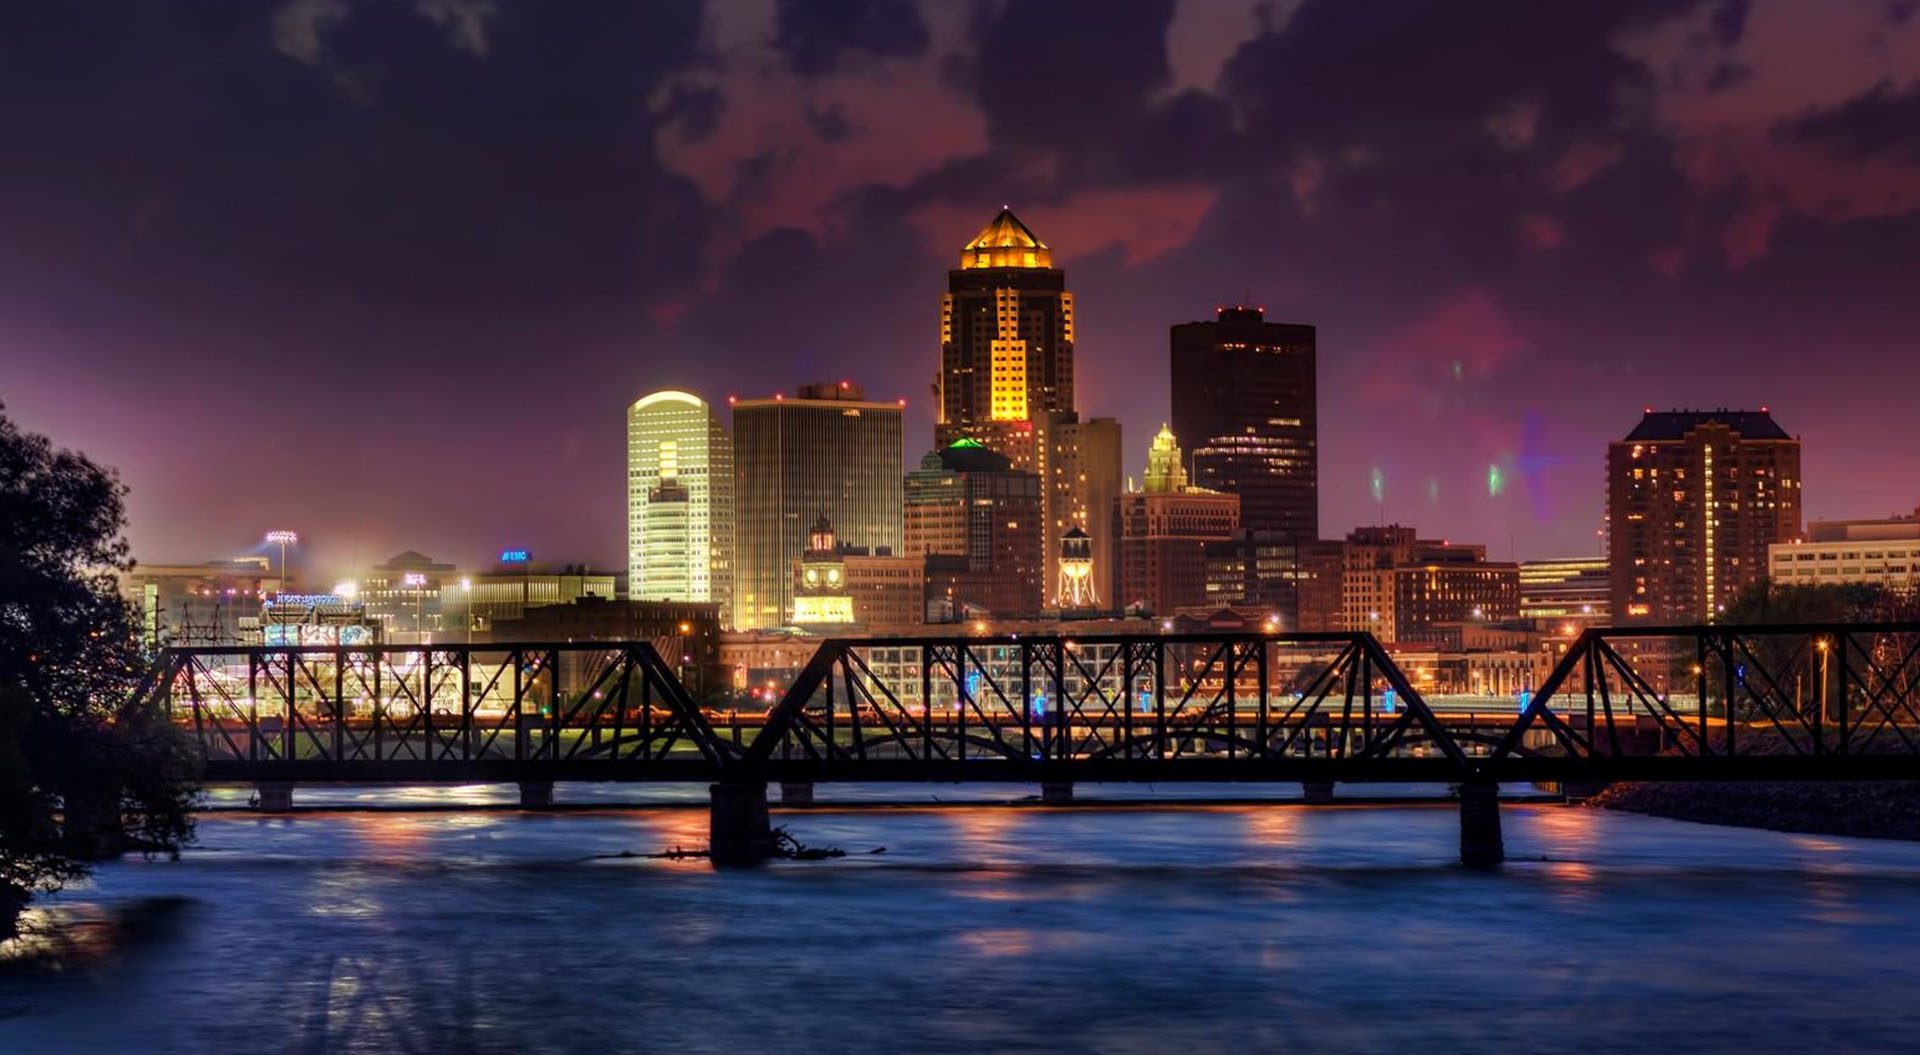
column 1006, row 242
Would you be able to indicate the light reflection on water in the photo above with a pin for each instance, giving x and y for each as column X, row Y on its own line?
column 984, row 929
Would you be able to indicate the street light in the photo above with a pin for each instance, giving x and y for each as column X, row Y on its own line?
column 283, row 539
column 419, row 584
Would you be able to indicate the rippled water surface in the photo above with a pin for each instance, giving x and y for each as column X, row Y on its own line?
column 1175, row 928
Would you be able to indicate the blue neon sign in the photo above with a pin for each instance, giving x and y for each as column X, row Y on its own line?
column 515, row 556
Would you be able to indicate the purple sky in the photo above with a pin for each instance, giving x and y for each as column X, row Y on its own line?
column 387, row 272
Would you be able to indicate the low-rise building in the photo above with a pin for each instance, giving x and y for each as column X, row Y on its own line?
column 1883, row 552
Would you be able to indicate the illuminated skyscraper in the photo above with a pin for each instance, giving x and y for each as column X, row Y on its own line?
column 1164, row 531
column 679, row 501
column 829, row 453
column 1693, row 500
column 1244, row 402
column 1006, row 341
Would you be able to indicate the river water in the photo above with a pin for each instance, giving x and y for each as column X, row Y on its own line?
column 1176, row 928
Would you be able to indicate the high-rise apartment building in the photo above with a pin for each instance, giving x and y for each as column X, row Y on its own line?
column 679, row 501
column 1244, row 402
column 977, row 521
column 1694, row 498
column 1164, row 529
column 827, row 452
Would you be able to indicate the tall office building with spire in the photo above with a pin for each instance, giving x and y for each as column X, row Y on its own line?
column 1006, row 342
column 1006, row 382
column 679, row 501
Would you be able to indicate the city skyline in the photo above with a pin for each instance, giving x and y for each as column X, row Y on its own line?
column 1549, row 248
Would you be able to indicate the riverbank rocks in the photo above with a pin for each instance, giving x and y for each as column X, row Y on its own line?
column 1879, row 810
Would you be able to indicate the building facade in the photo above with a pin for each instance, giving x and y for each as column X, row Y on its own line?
column 1164, row 529
column 1694, row 498
column 1570, row 591
column 1243, row 395
column 977, row 521
column 215, row 603
column 1402, row 588
column 1845, row 552
column 1080, row 471
column 679, row 500
column 829, row 451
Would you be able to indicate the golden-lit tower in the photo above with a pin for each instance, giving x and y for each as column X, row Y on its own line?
column 1076, row 588
column 1006, row 341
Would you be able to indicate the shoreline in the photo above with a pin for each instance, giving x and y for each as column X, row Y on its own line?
column 1856, row 809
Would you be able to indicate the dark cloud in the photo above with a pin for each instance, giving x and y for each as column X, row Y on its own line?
column 1068, row 72
column 1408, row 74
column 377, row 160
column 1885, row 122
column 815, row 34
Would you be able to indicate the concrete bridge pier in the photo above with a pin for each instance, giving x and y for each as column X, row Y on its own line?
column 1480, row 843
column 1056, row 793
column 536, row 794
column 738, row 829
column 796, row 793
column 1318, row 792
column 274, row 796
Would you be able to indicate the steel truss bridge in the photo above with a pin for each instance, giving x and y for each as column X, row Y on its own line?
column 1782, row 702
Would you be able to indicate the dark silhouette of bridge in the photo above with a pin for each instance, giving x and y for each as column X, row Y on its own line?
column 1707, row 703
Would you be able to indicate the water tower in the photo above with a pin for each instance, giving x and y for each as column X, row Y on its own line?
column 1076, row 570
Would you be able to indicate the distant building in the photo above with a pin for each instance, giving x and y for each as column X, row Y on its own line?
column 686, row 634
column 827, row 451
column 414, row 598
column 1836, row 552
column 977, row 522
column 215, row 603
column 1244, row 402
column 1694, row 498
column 1081, row 479
column 1570, row 591
column 1268, row 572
column 679, row 500
column 1401, row 588
column 1164, row 529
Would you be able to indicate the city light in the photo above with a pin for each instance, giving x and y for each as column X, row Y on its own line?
column 346, row 590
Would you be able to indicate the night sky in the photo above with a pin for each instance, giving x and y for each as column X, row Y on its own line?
column 387, row 273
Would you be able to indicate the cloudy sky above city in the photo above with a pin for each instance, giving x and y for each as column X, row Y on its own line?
column 387, row 272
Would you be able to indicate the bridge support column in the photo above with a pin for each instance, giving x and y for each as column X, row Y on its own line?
column 796, row 793
column 1056, row 793
column 1318, row 792
column 274, row 796
column 536, row 794
column 738, row 830
column 1480, row 843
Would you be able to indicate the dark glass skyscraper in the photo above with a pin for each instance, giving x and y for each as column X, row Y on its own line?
column 828, row 452
column 1244, row 403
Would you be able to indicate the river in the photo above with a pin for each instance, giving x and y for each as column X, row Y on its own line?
column 1182, row 928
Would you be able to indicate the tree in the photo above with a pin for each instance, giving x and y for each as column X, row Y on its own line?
column 1770, row 602
column 85, row 771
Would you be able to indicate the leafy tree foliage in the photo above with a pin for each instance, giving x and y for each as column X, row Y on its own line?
column 84, row 773
column 1770, row 602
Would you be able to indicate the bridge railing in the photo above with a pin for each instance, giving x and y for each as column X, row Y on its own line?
column 1107, row 700
column 311, row 707
column 1812, row 691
